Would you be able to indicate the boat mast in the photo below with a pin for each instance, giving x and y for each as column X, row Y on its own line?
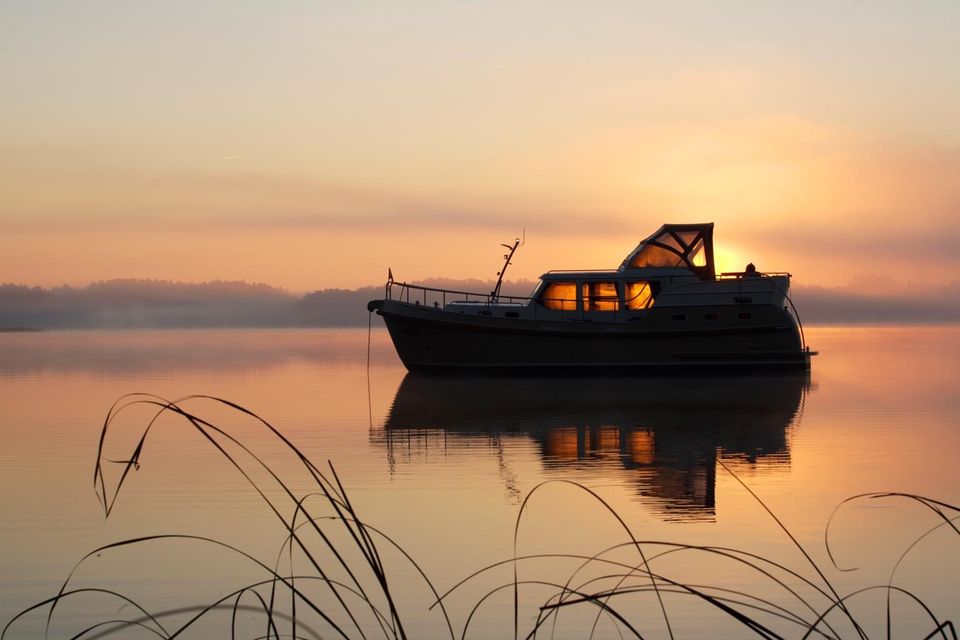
column 495, row 294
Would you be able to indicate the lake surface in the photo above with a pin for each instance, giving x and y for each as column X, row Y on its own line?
column 442, row 466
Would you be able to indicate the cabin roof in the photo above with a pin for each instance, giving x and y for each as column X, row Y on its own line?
column 687, row 246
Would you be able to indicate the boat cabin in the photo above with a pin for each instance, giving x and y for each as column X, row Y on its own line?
column 674, row 254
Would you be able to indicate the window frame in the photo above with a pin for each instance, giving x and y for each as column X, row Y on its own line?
column 542, row 298
column 617, row 299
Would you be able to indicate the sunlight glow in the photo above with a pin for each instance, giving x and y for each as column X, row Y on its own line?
column 730, row 259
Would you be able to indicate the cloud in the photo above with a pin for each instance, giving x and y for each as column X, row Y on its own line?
column 243, row 201
column 824, row 201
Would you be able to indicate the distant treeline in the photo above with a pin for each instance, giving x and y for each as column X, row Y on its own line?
column 146, row 303
column 164, row 304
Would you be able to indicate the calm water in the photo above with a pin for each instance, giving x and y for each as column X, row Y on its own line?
column 442, row 466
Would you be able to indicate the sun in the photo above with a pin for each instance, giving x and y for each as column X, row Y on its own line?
column 729, row 259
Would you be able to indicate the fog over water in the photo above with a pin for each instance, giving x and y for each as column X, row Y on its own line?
column 163, row 304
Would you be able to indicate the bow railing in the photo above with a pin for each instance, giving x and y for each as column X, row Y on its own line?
column 431, row 296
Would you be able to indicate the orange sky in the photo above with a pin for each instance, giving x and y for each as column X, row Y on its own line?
column 312, row 147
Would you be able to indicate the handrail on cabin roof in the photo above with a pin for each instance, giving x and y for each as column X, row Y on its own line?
column 584, row 271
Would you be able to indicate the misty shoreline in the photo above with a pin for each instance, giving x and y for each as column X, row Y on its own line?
column 153, row 304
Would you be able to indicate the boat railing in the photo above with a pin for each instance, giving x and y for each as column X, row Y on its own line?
column 439, row 298
column 743, row 275
column 735, row 275
column 431, row 296
column 584, row 271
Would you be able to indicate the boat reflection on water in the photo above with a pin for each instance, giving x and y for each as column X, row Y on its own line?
column 662, row 435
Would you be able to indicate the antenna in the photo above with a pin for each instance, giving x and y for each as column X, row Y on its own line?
column 511, row 249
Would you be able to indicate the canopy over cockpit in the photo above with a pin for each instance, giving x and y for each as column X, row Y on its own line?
column 683, row 246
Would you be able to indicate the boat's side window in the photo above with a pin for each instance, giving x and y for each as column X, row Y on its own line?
column 600, row 296
column 560, row 295
column 637, row 294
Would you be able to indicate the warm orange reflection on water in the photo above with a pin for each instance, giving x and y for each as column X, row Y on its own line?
column 562, row 444
column 441, row 464
column 642, row 446
column 680, row 426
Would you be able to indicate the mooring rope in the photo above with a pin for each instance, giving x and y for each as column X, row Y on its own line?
column 369, row 396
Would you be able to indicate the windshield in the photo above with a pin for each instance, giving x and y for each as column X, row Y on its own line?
column 677, row 246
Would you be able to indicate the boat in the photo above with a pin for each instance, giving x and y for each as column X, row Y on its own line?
column 664, row 307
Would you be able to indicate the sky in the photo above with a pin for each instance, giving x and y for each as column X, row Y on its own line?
column 311, row 145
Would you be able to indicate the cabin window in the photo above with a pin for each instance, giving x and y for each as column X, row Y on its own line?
column 600, row 296
column 698, row 257
column 668, row 240
column 673, row 248
column 560, row 295
column 653, row 256
column 637, row 295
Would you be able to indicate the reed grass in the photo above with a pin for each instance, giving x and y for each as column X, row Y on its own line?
column 345, row 589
